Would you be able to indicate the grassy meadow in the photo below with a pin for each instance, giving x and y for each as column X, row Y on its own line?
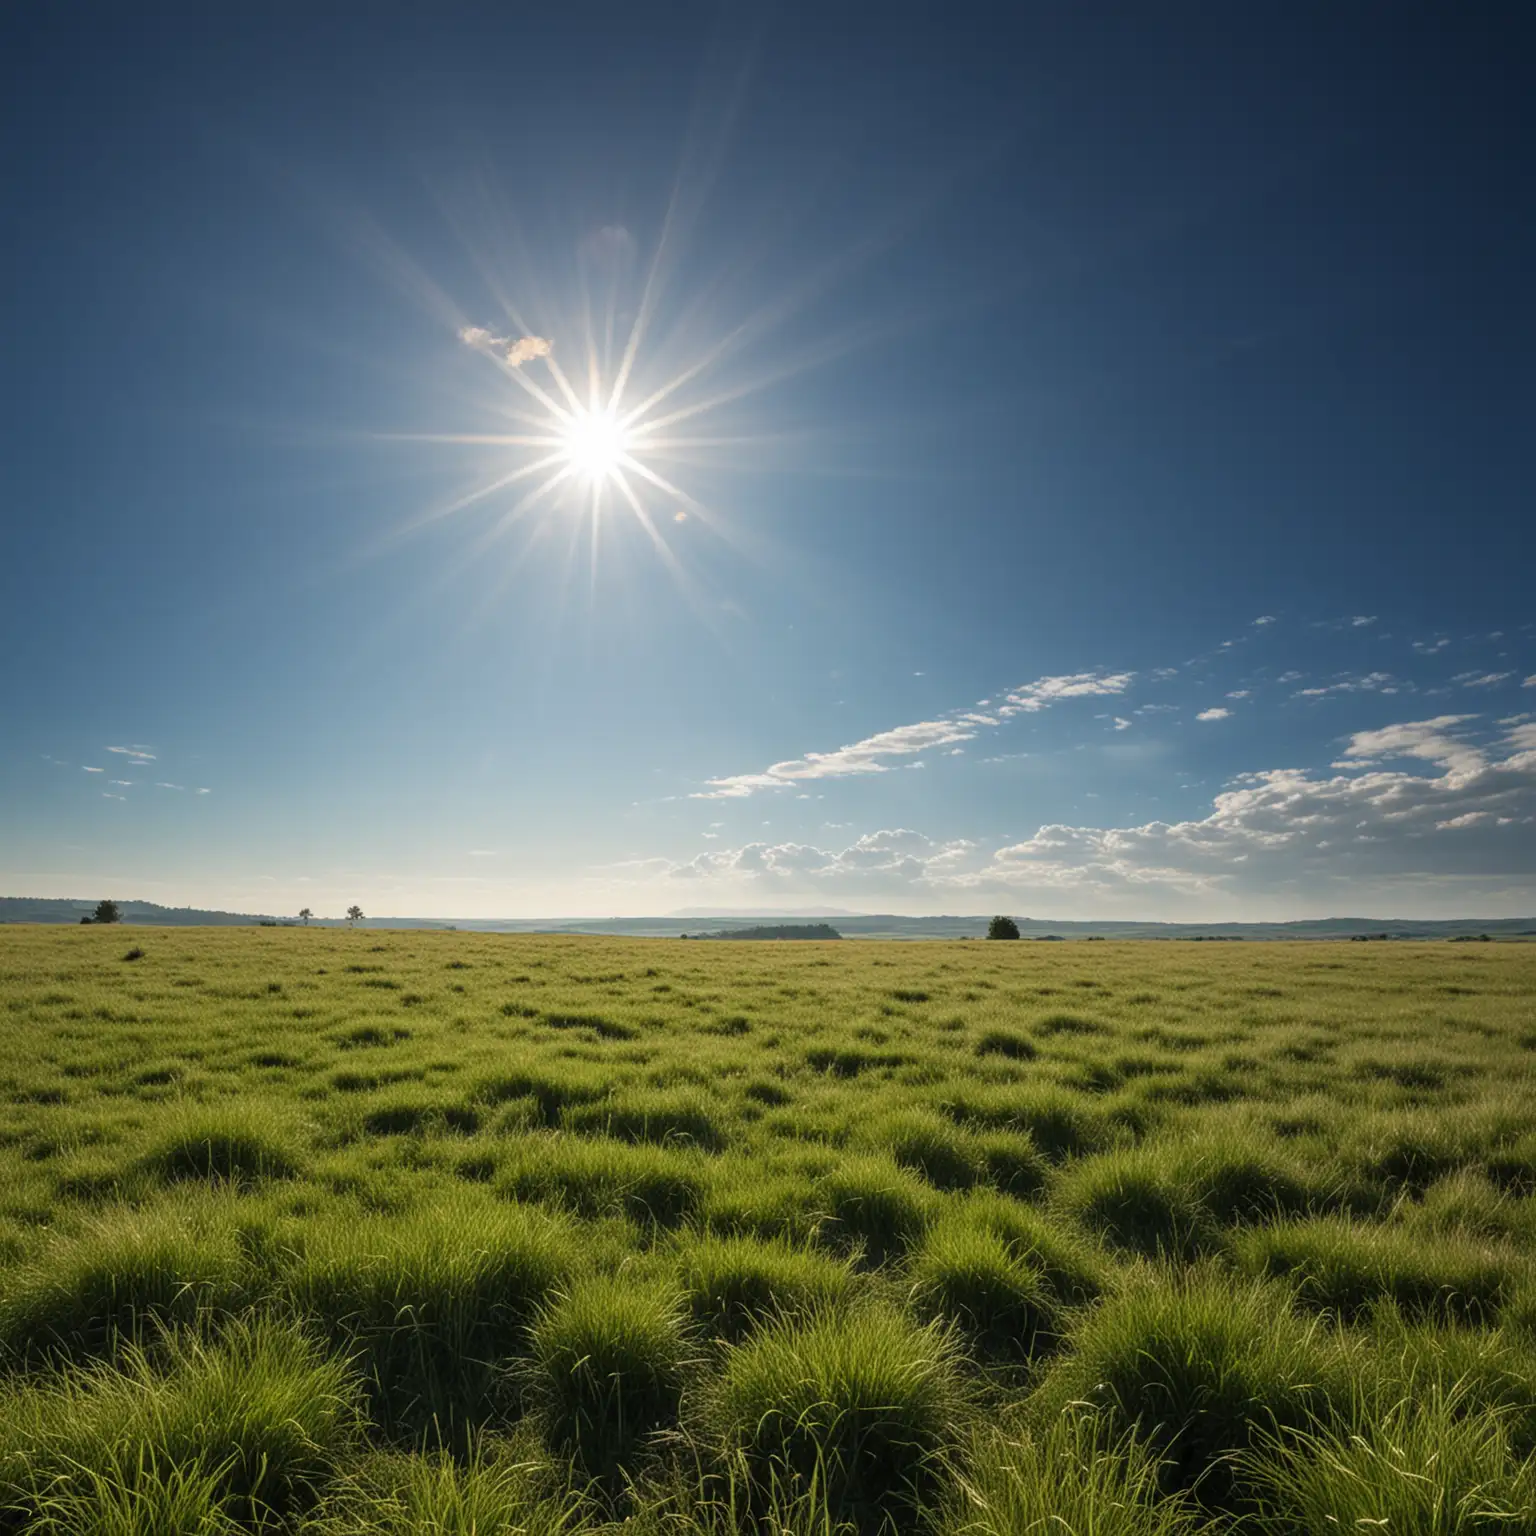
column 341, row 1232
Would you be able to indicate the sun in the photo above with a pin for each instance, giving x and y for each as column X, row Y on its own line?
column 595, row 443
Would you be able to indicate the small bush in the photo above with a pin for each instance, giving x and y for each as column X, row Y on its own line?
column 734, row 1283
column 864, row 1404
column 607, row 1369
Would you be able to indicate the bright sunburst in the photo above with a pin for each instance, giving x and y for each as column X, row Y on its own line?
column 595, row 442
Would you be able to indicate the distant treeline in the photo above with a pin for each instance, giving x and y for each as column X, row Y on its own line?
column 775, row 931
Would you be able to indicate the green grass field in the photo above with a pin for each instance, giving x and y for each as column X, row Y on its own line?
column 345, row 1232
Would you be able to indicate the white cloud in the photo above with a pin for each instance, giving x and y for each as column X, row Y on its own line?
column 204, row 791
column 513, row 350
column 1240, row 693
column 1481, row 679
column 1428, row 740
column 1360, row 620
column 161, row 784
column 139, row 754
column 1214, row 714
column 872, row 754
column 84, row 769
column 1431, row 647
column 1371, row 682
column 1045, row 691
column 122, row 783
column 1264, row 618
column 1530, row 682
column 1121, row 723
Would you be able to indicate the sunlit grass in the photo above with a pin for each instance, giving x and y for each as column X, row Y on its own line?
column 331, row 1232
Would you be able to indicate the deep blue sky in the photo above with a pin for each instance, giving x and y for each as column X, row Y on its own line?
column 1046, row 350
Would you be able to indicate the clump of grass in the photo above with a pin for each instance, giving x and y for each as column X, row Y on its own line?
column 232, row 1145
column 966, row 1274
column 1070, row 1477
column 936, row 1150
column 863, row 1405
column 253, row 1420
column 685, row 1117
column 1348, row 1266
column 1201, row 1369
column 439, row 1495
column 608, row 1362
column 432, row 1304
column 1059, row 1123
column 1071, row 1267
column 1013, row 1165
column 598, row 1177
column 874, row 1207
column 1135, row 1200
column 126, row 1276
column 1423, row 1464
column 1013, row 1044
column 136, row 1496
column 733, row 1283
column 1239, row 1181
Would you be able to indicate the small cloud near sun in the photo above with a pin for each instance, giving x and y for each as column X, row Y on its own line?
column 514, row 350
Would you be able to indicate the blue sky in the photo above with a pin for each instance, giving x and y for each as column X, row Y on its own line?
column 1072, row 461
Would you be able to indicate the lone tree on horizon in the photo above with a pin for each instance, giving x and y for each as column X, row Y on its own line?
column 106, row 912
column 1002, row 928
column 304, row 915
column 354, row 915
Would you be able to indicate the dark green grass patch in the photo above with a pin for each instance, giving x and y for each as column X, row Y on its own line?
column 732, row 1284
column 965, row 1274
column 225, row 1145
column 1346, row 1266
column 125, row 1277
column 1202, row 1369
column 432, row 1307
column 607, row 1367
column 864, row 1404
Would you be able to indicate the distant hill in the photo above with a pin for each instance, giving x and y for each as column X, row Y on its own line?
column 29, row 909
column 777, row 931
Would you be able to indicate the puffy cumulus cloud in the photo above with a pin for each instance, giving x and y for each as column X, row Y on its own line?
column 1285, row 831
column 1530, row 682
column 514, row 350
column 872, row 753
column 893, row 858
column 1215, row 713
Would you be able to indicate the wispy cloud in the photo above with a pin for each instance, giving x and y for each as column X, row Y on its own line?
column 1530, row 682
column 1263, row 618
column 84, row 769
column 1431, row 647
column 139, row 754
column 1121, row 723
column 515, row 350
column 1430, row 741
column 1361, row 620
column 1214, row 714
column 872, row 754
column 161, row 784
column 1481, row 679
column 1371, row 682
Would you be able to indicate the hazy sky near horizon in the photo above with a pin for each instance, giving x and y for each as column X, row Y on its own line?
column 1073, row 461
